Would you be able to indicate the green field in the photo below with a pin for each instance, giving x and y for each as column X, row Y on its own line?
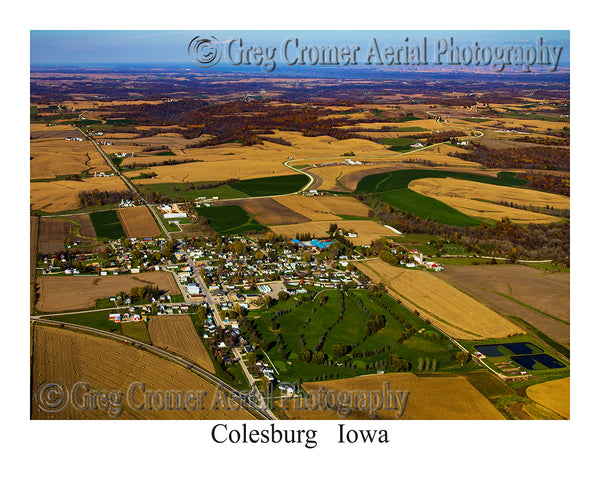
column 177, row 191
column 384, row 182
column 309, row 323
column 399, row 144
column 260, row 187
column 427, row 207
column 230, row 219
column 392, row 188
column 97, row 320
column 107, row 225
column 411, row 129
column 256, row 187
column 137, row 331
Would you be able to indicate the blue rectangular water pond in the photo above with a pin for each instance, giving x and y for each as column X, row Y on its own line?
column 528, row 362
column 506, row 349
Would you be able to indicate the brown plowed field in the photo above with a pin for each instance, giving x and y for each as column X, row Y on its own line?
column 547, row 292
column 138, row 222
column 442, row 398
column 58, row 293
column 68, row 357
column 54, row 232
column 176, row 333
column 268, row 211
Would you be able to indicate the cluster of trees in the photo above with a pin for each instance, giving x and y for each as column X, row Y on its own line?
column 145, row 292
column 95, row 197
column 547, row 183
column 375, row 324
column 441, row 136
column 172, row 161
column 542, row 158
column 504, row 239
column 561, row 142
column 427, row 364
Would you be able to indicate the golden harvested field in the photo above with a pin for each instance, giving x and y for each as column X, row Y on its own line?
column 343, row 205
column 308, row 207
column 227, row 161
column 176, row 333
column 52, row 157
column 174, row 141
column 61, row 195
column 428, row 124
column 324, row 207
column 57, row 294
column 366, row 230
column 65, row 356
column 343, row 177
column 554, row 395
column 138, row 222
column 516, row 124
column 464, row 195
column 544, row 291
column 445, row 306
column 430, row 398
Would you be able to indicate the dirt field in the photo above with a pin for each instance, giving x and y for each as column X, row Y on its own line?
column 138, row 222
column 57, row 294
column 57, row 196
column 34, row 226
column 445, row 306
column 554, row 395
column 442, row 398
column 268, row 211
column 176, row 333
column 54, row 232
column 464, row 195
column 68, row 357
column 547, row 292
column 366, row 230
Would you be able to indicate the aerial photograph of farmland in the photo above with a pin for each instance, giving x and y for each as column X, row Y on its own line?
column 277, row 237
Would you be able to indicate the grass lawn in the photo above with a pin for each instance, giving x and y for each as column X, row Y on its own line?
column 137, row 331
column 306, row 321
column 107, row 225
column 97, row 320
column 230, row 219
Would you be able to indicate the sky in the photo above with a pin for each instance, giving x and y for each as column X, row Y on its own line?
column 158, row 46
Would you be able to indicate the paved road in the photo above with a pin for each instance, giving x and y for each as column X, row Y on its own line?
column 263, row 413
column 128, row 183
column 220, row 324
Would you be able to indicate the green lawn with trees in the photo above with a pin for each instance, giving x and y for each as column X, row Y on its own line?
column 338, row 334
